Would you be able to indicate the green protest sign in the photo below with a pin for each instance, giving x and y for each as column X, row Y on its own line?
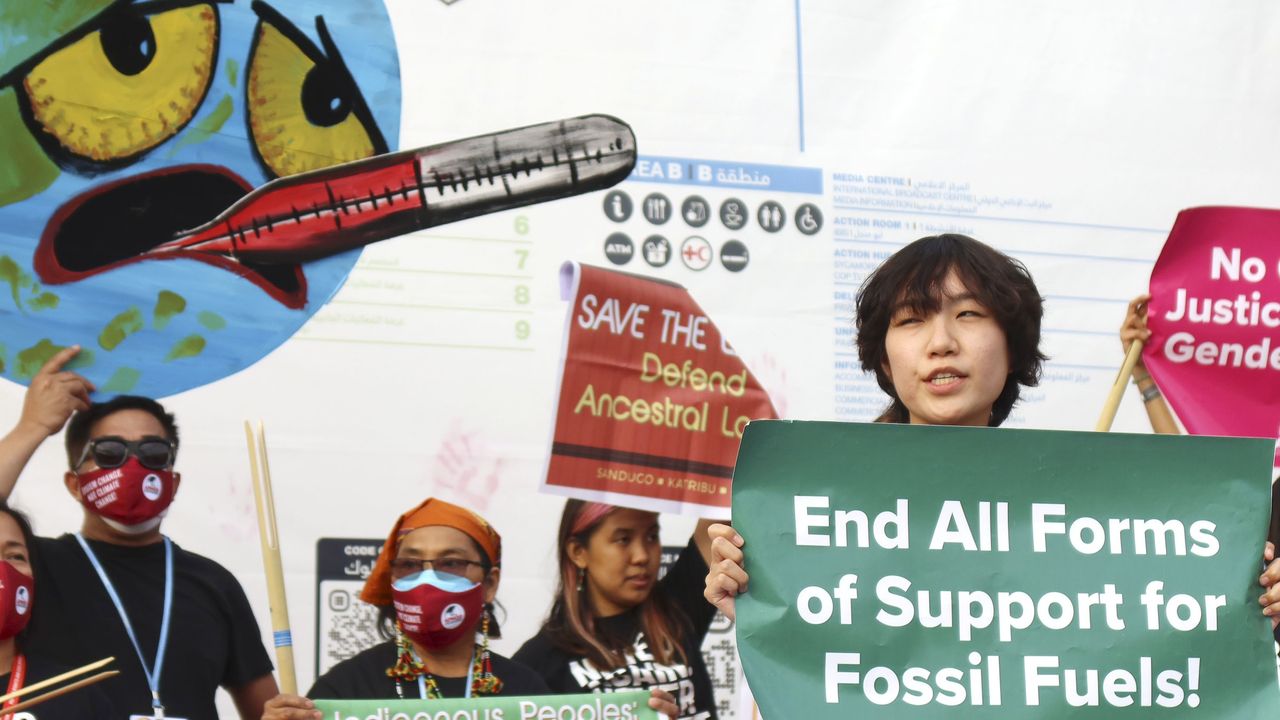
column 632, row 705
column 923, row 572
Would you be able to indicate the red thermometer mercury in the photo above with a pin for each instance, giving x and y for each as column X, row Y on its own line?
column 316, row 214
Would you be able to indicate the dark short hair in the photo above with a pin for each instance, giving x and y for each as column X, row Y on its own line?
column 78, row 428
column 24, row 524
column 915, row 276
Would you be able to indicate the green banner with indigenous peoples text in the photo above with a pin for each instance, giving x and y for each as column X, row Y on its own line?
column 632, row 705
column 902, row 571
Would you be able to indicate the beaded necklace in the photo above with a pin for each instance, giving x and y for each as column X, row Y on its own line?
column 408, row 667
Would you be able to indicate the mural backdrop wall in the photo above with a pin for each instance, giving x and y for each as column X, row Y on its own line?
column 784, row 149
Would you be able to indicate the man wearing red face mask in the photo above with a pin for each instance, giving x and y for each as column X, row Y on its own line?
column 178, row 624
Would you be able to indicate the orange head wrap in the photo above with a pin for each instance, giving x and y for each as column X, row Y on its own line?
column 432, row 511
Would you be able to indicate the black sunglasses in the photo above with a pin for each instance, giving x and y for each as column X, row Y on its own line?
column 154, row 453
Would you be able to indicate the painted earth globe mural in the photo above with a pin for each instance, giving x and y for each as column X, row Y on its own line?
column 122, row 124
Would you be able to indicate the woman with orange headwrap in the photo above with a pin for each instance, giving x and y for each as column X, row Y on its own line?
column 435, row 582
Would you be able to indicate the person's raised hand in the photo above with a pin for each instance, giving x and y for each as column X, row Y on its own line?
column 54, row 394
column 726, row 577
column 1135, row 323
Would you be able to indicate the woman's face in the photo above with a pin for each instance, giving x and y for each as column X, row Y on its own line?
column 948, row 367
column 441, row 543
column 621, row 559
column 13, row 547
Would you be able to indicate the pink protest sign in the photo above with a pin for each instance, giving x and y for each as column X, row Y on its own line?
column 1215, row 321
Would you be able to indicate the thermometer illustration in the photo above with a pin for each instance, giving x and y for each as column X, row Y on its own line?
column 313, row 215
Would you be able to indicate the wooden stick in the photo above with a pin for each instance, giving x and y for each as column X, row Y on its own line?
column 1117, row 390
column 269, row 535
column 54, row 680
column 55, row 693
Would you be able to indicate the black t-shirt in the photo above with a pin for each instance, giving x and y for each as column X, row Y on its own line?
column 364, row 677
column 86, row 703
column 569, row 672
column 213, row 636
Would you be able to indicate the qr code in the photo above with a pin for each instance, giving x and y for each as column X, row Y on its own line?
column 347, row 625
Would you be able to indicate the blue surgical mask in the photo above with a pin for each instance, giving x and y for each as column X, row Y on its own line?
column 448, row 583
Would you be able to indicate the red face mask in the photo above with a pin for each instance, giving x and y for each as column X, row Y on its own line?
column 16, row 593
column 130, row 494
column 436, row 611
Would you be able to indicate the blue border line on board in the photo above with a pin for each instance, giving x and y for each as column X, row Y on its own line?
column 1016, row 253
column 1064, row 223
column 1108, row 368
column 1084, row 298
column 800, row 74
column 1064, row 331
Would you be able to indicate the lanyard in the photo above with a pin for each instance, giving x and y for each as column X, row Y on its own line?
column 17, row 678
column 152, row 675
column 422, row 684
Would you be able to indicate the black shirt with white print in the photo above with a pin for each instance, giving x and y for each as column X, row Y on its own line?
column 569, row 672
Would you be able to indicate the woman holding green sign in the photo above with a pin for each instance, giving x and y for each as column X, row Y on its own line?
column 435, row 582
column 951, row 329
column 614, row 624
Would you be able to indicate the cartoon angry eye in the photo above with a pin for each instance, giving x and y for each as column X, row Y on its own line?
column 121, row 84
column 304, row 109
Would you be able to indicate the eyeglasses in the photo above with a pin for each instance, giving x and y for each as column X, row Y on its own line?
column 155, row 453
column 404, row 567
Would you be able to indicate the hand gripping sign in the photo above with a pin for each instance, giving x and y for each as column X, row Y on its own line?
column 652, row 398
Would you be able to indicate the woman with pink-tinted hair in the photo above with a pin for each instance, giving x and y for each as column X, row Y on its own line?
column 614, row 624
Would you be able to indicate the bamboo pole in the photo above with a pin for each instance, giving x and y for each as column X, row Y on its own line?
column 269, row 535
column 53, row 681
column 1117, row 390
column 55, row 693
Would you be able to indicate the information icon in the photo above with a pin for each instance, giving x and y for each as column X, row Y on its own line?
column 733, row 213
column 617, row 206
column 808, row 219
column 619, row 248
column 696, row 211
column 772, row 216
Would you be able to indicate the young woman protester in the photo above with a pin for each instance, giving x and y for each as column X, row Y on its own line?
column 951, row 329
column 18, row 667
column 614, row 625
column 434, row 581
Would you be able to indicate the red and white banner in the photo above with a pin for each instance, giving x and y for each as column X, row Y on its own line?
column 652, row 399
column 1215, row 321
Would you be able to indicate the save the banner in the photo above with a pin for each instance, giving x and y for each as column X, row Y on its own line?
column 652, row 398
column 632, row 705
column 902, row 571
